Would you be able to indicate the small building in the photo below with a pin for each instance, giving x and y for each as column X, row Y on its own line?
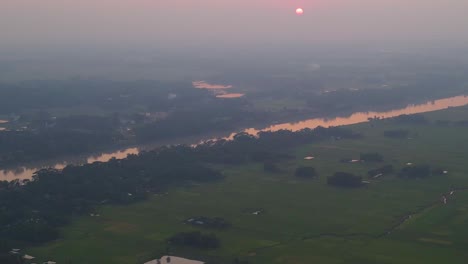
column 28, row 257
column 378, row 175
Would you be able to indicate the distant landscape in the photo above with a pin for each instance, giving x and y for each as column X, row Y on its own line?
column 403, row 193
column 233, row 132
column 50, row 119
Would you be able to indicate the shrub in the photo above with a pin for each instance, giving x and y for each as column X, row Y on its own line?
column 305, row 172
column 344, row 179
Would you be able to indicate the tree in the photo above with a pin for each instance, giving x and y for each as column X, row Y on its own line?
column 344, row 179
column 400, row 133
column 305, row 172
column 195, row 239
column 419, row 171
column 371, row 157
column 382, row 170
column 270, row 167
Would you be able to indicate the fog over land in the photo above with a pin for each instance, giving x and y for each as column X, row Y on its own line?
column 233, row 131
column 94, row 34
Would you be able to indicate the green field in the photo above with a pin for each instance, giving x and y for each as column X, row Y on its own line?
column 304, row 221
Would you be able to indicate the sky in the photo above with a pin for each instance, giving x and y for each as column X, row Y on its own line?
column 216, row 26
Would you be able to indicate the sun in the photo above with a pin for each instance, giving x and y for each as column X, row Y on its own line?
column 299, row 11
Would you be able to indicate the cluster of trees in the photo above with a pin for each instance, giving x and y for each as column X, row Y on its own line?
column 32, row 211
column 36, row 134
column 239, row 261
column 264, row 147
column 398, row 133
column 411, row 119
column 213, row 114
column 371, row 157
column 305, row 172
column 189, row 111
column 195, row 239
column 66, row 136
column 271, row 167
column 381, row 99
column 101, row 94
column 416, row 171
column 461, row 123
column 6, row 257
column 345, row 179
column 203, row 221
column 382, row 170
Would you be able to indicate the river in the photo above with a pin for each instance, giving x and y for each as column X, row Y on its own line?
column 359, row 117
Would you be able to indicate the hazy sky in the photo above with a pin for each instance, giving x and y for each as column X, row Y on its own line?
column 217, row 25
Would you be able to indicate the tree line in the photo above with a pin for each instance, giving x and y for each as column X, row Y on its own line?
column 31, row 211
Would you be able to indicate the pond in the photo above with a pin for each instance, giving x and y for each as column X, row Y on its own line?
column 219, row 90
column 3, row 122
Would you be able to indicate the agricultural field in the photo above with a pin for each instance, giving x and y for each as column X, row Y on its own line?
column 281, row 218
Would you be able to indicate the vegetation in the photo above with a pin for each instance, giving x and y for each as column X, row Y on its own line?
column 344, row 179
column 417, row 171
column 396, row 133
column 371, row 157
column 33, row 210
column 52, row 118
column 306, row 220
column 195, row 239
column 380, row 171
column 6, row 257
column 305, row 172
column 411, row 119
column 202, row 221
column 271, row 167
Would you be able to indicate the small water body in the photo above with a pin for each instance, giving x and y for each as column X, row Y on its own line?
column 206, row 85
column 3, row 122
column 230, row 95
column 359, row 117
column 219, row 90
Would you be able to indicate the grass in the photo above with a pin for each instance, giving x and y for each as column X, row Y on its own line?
column 305, row 221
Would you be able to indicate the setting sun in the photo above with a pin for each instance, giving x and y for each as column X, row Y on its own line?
column 299, row 11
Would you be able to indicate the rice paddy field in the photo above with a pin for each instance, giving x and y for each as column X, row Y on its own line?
column 390, row 220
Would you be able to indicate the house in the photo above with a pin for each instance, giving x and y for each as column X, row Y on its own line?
column 378, row 175
column 28, row 257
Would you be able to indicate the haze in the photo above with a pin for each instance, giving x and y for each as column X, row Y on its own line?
column 233, row 131
column 207, row 24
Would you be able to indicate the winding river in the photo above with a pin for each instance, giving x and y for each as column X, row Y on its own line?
column 359, row 117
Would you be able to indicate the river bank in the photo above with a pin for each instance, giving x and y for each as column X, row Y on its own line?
column 27, row 171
